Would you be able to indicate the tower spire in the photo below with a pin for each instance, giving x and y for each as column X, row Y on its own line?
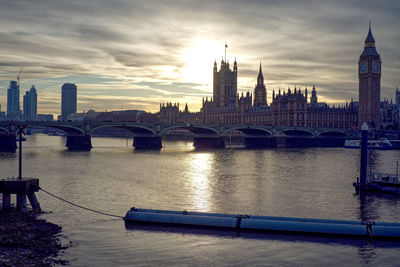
column 260, row 78
column 226, row 46
column 369, row 41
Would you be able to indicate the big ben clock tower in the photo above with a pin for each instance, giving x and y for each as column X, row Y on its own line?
column 369, row 75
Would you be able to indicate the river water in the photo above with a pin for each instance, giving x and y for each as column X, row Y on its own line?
column 113, row 177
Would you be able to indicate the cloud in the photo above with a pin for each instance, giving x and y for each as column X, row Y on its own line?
column 115, row 48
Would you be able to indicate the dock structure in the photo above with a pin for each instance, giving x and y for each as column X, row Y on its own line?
column 241, row 222
column 23, row 188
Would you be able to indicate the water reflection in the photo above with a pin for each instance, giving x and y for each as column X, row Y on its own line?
column 367, row 252
column 200, row 165
column 365, row 246
column 282, row 182
column 367, row 211
column 7, row 156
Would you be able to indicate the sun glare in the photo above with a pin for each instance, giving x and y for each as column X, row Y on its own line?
column 199, row 59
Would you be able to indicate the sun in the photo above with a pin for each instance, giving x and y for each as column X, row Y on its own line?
column 199, row 61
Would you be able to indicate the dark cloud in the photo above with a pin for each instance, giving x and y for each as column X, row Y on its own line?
column 139, row 44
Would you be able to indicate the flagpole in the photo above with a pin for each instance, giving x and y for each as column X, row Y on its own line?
column 225, row 52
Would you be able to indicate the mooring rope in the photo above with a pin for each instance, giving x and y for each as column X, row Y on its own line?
column 79, row 206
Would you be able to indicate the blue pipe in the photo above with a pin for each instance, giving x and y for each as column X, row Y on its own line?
column 265, row 223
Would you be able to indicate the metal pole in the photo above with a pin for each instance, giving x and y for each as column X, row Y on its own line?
column 364, row 154
column 20, row 154
column 225, row 51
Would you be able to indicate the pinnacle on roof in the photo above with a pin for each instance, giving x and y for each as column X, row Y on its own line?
column 260, row 73
column 370, row 38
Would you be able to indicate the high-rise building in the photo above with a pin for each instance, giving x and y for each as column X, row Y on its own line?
column 68, row 100
column 225, row 85
column 30, row 105
column 13, row 108
column 2, row 114
column 369, row 74
column 260, row 93
column 397, row 96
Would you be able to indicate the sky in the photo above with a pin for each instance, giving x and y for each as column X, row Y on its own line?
column 129, row 54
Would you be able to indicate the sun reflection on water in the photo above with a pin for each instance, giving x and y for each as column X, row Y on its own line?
column 201, row 167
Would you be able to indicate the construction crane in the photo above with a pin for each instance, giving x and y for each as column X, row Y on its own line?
column 19, row 75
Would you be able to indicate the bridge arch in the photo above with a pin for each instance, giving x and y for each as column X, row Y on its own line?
column 69, row 130
column 135, row 129
column 249, row 130
column 4, row 131
column 195, row 129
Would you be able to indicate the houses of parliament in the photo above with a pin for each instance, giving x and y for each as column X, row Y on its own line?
column 297, row 107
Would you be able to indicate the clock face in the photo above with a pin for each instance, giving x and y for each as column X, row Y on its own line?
column 364, row 67
column 375, row 67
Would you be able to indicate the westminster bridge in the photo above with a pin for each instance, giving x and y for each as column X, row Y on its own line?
column 149, row 135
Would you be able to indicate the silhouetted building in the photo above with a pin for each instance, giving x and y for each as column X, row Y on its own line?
column 397, row 96
column 225, row 85
column 45, row 117
column 260, row 92
column 2, row 114
column 314, row 99
column 13, row 107
column 131, row 116
column 389, row 115
column 169, row 112
column 369, row 73
column 289, row 108
column 68, row 100
column 30, row 104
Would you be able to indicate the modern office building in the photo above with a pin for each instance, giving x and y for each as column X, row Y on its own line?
column 2, row 114
column 30, row 105
column 13, row 108
column 68, row 100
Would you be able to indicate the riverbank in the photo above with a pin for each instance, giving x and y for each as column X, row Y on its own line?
column 28, row 241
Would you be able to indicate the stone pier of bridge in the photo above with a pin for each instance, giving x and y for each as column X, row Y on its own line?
column 147, row 142
column 8, row 139
column 209, row 142
column 79, row 142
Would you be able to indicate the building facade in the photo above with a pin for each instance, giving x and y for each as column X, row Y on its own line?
column 68, row 100
column 293, row 108
column 30, row 105
column 169, row 112
column 369, row 74
column 13, row 107
column 225, row 85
